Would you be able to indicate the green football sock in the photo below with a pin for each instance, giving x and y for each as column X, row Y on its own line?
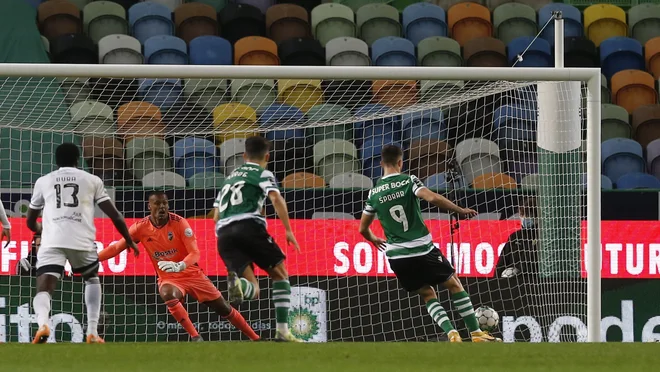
column 464, row 307
column 249, row 292
column 439, row 315
column 282, row 301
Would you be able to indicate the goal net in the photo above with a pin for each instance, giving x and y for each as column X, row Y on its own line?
column 498, row 147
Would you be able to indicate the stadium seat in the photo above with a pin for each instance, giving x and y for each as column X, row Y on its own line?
column 262, row 5
column 35, row 3
column 494, row 181
column 112, row 91
column 427, row 156
column 207, row 93
column 318, row 115
column 302, row 180
column 653, row 157
column 210, row 50
column 333, row 157
column 485, row 52
column 469, row 21
column 604, row 90
column 189, row 118
column 444, row 181
column 301, row 52
column 384, row 125
column 537, row 52
column 231, row 154
column 290, row 155
column 605, row 183
column 163, row 179
column 395, row 93
column 517, row 122
column 164, row 93
column 644, row 22
column 518, row 158
column 257, row 93
column 350, row 181
column 74, row 89
column 604, row 21
column 255, row 50
column 126, row 4
column 423, row 20
column 139, row 119
column 347, row 93
column 104, row 157
column 331, row 21
column 286, row 21
column 59, row 17
column 580, row 52
column 620, row 53
column 646, row 123
column 376, row 21
column 370, row 155
column 206, row 181
column 347, row 51
column 620, row 156
column 218, row 5
column 636, row 181
column 166, row 50
column 652, row 56
column 615, row 122
column 147, row 155
column 476, row 156
column 93, row 117
column 572, row 21
column 80, row 4
column 432, row 89
column 307, row 4
column 303, row 94
column 322, row 215
column 393, row 51
column 120, row 49
column 73, row 48
column 278, row 115
column 170, row 4
column 633, row 88
column 149, row 19
column 46, row 44
column 241, row 20
column 234, row 120
column 530, row 182
column 194, row 155
column 439, row 51
column 103, row 18
column 193, row 20
column 513, row 20
column 425, row 124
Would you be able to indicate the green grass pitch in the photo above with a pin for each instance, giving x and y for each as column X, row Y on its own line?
column 334, row 357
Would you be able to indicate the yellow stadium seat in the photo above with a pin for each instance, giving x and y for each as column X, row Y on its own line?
column 603, row 21
column 234, row 120
column 303, row 94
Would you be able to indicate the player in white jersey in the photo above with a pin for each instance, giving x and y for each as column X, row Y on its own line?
column 67, row 197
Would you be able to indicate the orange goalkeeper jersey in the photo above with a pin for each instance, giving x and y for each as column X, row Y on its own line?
column 175, row 241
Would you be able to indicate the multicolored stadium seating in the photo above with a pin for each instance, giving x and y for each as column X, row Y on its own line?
column 622, row 37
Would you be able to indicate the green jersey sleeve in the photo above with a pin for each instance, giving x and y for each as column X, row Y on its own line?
column 268, row 183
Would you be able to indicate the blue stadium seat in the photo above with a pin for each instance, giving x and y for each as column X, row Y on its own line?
column 149, row 19
column 165, row 50
column 277, row 115
column 393, row 51
column 637, row 180
column 439, row 181
column 620, row 156
column 370, row 153
column 423, row 20
column 194, row 155
column 515, row 122
column 572, row 21
column 539, row 53
column 605, row 182
column 163, row 93
column 388, row 125
column 210, row 50
column 620, row 53
column 426, row 124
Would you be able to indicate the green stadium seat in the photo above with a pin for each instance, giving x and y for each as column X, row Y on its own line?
column 439, row 51
column 514, row 20
column 330, row 21
column 375, row 21
column 333, row 157
column 357, row 4
column 644, row 22
column 319, row 114
column 206, row 180
column 103, row 18
column 615, row 122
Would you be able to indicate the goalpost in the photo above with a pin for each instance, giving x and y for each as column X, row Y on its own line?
column 487, row 138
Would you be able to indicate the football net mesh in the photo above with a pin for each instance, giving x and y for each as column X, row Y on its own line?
column 474, row 142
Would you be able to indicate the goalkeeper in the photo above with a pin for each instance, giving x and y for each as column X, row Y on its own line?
column 172, row 247
column 417, row 263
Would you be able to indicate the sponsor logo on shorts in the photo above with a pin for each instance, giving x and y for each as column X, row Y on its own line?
column 188, row 233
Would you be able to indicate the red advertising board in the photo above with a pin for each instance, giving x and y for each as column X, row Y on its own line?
column 630, row 249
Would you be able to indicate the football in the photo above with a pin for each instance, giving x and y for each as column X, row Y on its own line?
column 488, row 318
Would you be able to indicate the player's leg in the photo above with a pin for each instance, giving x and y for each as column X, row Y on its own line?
column 173, row 296
column 50, row 267
column 438, row 313
column 463, row 305
column 242, row 283
column 86, row 263
column 281, row 298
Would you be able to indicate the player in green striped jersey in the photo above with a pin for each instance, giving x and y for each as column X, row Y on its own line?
column 417, row 263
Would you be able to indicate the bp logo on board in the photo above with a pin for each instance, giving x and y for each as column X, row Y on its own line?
column 304, row 324
column 308, row 314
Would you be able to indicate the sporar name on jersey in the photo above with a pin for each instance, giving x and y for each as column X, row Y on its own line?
column 390, row 197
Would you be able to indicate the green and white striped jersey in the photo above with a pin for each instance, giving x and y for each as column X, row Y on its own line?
column 394, row 200
column 243, row 194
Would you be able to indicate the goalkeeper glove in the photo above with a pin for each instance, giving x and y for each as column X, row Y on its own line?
column 171, row 267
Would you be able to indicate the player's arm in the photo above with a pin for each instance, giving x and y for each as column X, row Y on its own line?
column 269, row 185
column 6, row 226
column 102, row 199
column 189, row 241
column 438, row 200
column 114, row 249
column 36, row 205
column 367, row 233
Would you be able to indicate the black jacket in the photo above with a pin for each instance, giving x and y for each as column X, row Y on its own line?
column 521, row 252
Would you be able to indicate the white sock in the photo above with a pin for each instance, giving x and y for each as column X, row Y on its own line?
column 41, row 306
column 93, row 302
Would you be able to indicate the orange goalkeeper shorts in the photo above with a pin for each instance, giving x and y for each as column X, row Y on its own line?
column 197, row 285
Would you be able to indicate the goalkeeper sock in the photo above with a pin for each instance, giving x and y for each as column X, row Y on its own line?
column 237, row 320
column 439, row 315
column 464, row 307
column 282, row 301
column 181, row 316
column 41, row 305
column 93, row 297
column 249, row 292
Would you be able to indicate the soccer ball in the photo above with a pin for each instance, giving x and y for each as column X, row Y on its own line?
column 487, row 318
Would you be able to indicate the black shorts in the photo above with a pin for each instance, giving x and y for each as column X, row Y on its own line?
column 416, row 272
column 245, row 242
